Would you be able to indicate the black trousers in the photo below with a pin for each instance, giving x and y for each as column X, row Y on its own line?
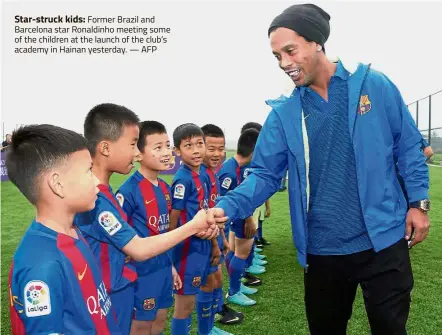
column 386, row 280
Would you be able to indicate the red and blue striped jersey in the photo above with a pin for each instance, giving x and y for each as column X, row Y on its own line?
column 107, row 232
column 214, row 194
column 190, row 192
column 230, row 175
column 147, row 207
column 56, row 286
column 244, row 172
column 214, row 187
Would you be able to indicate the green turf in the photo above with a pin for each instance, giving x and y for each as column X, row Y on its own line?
column 280, row 308
column 437, row 158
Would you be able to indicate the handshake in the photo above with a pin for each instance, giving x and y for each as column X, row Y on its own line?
column 207, row 223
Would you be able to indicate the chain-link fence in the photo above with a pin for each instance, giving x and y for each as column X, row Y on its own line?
column 427, row 112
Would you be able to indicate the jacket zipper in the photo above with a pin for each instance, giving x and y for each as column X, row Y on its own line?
column 357, row 172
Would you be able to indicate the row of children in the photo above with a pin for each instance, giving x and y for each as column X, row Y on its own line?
column 113, row 263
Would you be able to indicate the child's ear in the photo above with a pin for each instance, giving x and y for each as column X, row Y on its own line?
column 55, row 184
column 104, row 148
column 138, row 158
column 177, row 151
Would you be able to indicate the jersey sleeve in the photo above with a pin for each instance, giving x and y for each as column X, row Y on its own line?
column 105, row 224
column 126, row 197
column 181, row 190
column 227, row 182
column 111, row 227
column 37, row 294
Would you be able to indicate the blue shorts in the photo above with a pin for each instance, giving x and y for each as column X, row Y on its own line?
column 237, row 227
column 153, row 291
column 123, row 305
column 192, row 262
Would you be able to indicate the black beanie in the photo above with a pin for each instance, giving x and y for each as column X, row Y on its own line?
column 307, row 20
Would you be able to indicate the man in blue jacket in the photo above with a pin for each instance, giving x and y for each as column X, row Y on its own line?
column 340, row 134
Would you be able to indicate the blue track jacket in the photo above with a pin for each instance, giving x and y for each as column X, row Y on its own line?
column 383, row 133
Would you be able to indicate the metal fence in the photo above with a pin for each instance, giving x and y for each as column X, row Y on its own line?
column 427, row 112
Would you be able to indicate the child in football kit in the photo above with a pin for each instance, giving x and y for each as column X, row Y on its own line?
column 192, row 258
column 55, row 283
column 146, row 200
column 242, row 231
column 112, row 132
column 264, row 210
column 215, row 152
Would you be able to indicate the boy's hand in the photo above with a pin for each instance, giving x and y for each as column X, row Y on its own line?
column 177, row 284
column 249, row 228
column 216, row 255
column 209, row 234
column 206, row 230
column 216, row 216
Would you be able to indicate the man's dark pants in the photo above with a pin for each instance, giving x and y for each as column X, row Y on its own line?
column 386, row 280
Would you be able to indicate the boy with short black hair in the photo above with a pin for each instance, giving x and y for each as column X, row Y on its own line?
column 146, row 200
column 60, row 290
column 251, row 125
column 264, row 210
column 242, row 231
column 192, row 258
column 215, row 152
column 113, row 133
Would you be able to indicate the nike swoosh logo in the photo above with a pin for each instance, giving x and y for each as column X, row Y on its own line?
column 207, row 309
column 148, row 202
column 199, row 188
column 232, row 320
column 81, row 275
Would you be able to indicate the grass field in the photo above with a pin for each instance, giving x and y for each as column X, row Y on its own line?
column 437, row 158
column 280, row 308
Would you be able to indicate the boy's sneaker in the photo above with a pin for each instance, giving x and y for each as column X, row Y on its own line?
column 264, row 242
column 251, row 280
column 240, row 299
column 247, row 290
column 256, row 269
column 259, row 256
column 260, row 262
column 218, row 331
column 229, row 316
